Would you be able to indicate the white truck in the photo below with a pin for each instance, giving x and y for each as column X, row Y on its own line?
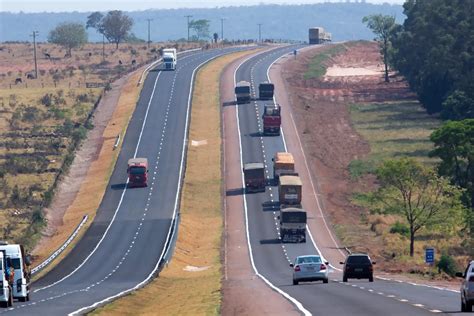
column 293, row 225
column 169, row 58
column 21, row 283
column 6, row 293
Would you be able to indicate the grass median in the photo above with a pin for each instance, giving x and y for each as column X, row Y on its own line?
column 191, row 284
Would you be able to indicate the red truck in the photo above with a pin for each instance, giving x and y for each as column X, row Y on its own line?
column 254, row 175
column 137, row 172
column 271, row 119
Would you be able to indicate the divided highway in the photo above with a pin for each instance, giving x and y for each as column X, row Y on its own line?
column 272, row 258
column 126, row 242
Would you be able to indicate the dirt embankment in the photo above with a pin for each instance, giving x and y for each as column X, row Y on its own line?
column 321, row 110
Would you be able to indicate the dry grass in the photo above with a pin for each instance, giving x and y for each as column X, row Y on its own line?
column 93, row 188
column 177, row 291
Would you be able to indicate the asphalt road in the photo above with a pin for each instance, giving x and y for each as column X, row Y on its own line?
column 272, row 258
column 126, row 241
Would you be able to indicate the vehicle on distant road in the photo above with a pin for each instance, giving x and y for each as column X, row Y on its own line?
column 358, row 266
column 137, row 172
column 254, row 175
column 20, row 262
column 242, row 92
column 292, row 224
column 169, row 58
column 266, row 90
column 271, row 119
column 467, row 287
column 310, row 268
column 283, row 164
column 6, row 286
column 317, row 35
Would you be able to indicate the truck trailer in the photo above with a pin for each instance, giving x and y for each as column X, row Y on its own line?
column 317, row 35
column 137, row 172
column 271, row 119
column 254, row 176
column 283, row 164
column 242, row 92
column 289, row 191
column 266, row 90
column 169, row 58
column 292, row 224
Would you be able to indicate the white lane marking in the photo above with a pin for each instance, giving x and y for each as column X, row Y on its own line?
column 118, row 206
column 284, row 294
column 110, row 298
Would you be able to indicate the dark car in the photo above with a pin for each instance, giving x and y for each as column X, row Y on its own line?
column 358, row 266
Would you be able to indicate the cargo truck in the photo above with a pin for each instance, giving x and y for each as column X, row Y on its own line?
column 6, row 286
column 169, row 58
column 292, row 224
column 271, row 119
column 289, row 191
column 317, row 35
column 283, row 164
column 15, row 254
column 242, row 92
column 265, row 91
column 137, row 172
column 254, row 176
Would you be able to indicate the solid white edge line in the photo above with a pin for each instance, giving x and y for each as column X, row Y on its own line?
column 119, row 204
column 284, row 294
column 111, row 298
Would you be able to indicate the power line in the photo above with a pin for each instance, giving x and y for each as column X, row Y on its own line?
column 260, row 32
column 222, row 29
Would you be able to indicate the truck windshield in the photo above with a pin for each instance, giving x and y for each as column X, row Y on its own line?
column 293, row 217
column 137, row 170
column 254, row 173
column 242, row 90
column 272, row 111
column 16, row 263
column 168, row 60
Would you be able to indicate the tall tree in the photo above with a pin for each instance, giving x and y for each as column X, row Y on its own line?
column 416, row 192
column 94, row 21
column 68, row 35
column 201, row 28
column 115, row 26
column 383, row 27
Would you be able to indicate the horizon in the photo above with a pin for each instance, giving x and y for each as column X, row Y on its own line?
column 56, row 6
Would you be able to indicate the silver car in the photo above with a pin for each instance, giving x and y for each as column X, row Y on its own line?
column 310, row 268
column 467, row 288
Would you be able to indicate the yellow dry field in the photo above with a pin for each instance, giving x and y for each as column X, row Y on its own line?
column 90, row 195
column 191, row 284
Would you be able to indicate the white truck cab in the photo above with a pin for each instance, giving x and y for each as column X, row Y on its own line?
column 20, row 262
column 169, row 58
column 6, row 295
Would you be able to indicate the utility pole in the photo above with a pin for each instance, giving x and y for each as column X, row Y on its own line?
column 34, row 53
column 188, row 16
column 149, row 20
column 259, row 32
column 222, row 29
column 103, row 47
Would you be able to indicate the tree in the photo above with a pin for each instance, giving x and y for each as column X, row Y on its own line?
column 216, row 37
column 68, row 35
column 94, row 21
column 115, row 26
column 200, row 27
column 416, row 192
column 383, row 27
column 458, row 106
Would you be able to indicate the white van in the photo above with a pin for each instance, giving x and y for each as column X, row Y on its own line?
column 20, row 262
column 6, row 295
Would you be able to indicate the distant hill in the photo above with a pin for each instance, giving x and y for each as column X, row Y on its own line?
column 343, row 20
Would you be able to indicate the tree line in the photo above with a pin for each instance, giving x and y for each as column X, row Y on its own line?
column 433, row 50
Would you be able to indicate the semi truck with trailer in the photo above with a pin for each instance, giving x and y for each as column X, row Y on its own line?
column 317, row 35
column 292, row 224
column 283, row 164
column 6, row 286
column 266, row 90
column 254, row 176
column 169, row 58
column 15, row 254
column 137, row 172
column 271, row 119
column 242, row 92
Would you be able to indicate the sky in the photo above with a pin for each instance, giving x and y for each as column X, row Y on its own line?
column 105, row 5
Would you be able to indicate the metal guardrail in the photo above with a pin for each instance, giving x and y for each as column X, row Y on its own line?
column 45, row 263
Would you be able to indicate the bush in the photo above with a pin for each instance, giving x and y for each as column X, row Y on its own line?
column 400, row 228
column 47, row 99
column 447, row 264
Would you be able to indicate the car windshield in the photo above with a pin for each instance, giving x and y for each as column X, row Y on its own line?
column 358, row 259
column 313, row 259
column 137, row 170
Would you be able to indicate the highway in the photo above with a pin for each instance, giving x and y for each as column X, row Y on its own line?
column 272, row 258
column 126, row 242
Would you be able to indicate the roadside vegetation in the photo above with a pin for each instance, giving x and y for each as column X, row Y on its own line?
column 191, row 283
column 318, row 65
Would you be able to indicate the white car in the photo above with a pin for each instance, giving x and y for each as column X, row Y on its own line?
column 310, row 268
column 467, row 288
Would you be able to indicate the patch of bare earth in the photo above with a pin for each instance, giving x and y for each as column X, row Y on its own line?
column 321, row 111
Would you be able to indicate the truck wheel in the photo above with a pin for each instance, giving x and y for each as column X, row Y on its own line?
column 344, row 279
column 468, row 306
column 295, row 282
column 28, row 297
column 325, row 280
column 371, row 279
column 10, row 300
